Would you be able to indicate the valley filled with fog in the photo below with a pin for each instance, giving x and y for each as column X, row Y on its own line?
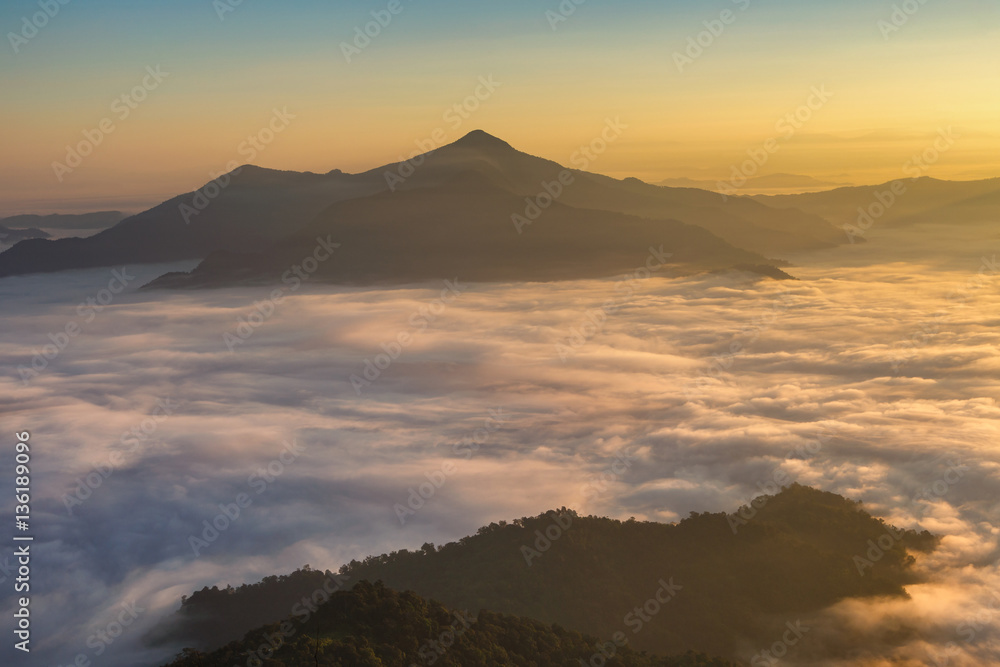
column 874, row 375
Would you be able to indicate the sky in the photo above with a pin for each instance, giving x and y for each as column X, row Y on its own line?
column 892, row 405
column 559, row 71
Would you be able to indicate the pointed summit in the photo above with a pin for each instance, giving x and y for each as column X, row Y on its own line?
column 480, row 140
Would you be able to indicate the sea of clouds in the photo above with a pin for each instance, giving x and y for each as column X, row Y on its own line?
column 876, row 376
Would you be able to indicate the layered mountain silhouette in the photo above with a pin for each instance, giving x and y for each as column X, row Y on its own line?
column 475, row 183
column 256, row 207
column 759, row 184
column 462, row 228
column 471, row 184
column 913, row 200
column 65, row 221
column 732, row 580
column 9, row 236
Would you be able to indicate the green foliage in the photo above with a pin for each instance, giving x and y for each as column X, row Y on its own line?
column 792, row 554
column 212, row 616
column 371, row 625
column 743, row 575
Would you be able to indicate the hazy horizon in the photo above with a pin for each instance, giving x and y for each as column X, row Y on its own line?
column 697, row 178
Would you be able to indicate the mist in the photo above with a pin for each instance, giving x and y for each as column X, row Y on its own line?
column 873, row 376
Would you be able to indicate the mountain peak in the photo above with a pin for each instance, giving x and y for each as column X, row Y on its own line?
column 483, row 141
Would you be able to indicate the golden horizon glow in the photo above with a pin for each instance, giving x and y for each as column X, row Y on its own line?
column 889, row 97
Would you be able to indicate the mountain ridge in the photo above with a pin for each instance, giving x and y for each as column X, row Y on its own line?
column 740, row 575
column 249, row 208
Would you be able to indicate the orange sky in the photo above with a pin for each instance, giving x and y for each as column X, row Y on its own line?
column 890, row 93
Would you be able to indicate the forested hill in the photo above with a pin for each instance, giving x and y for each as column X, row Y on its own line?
column 737, row 578
column 372, row 626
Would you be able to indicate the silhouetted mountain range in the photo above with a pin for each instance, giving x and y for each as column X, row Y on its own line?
column 65, row 221
column 723, row 581
column 479, row 184
column 9, row 236
column 758, row 184
column 463, row 229
column 480, row 209
column 921, row 199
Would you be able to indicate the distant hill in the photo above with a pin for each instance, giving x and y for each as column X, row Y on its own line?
column 9, row 236
column 798, row 552
column 924, row 199
column 463, row 229
column 65, row 221
column 256, row 207
column 769, row 183
column 251, row 208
